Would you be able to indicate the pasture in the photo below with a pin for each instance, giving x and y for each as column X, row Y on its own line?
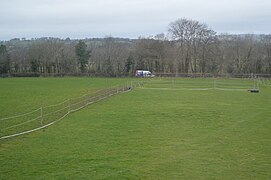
column 165, row 129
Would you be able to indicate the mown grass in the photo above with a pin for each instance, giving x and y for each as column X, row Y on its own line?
column 20, row 95
column 151, row 133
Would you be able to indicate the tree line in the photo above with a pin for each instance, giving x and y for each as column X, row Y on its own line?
column 188, row 47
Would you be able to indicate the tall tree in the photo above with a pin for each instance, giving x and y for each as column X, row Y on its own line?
column 4, row 60
column 150, row 54
column 190, row 35
column 129, row 65
column 267, row 47
column 83, row 55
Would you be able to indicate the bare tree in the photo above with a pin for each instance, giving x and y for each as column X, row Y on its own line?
column 150, row 54
column 191, row 48
column 190, row 35
column 267, row 48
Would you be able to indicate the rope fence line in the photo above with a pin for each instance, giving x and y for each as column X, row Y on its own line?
column 47, row 115
column 22, row 123
column 44, row 115
column 54, row 105
column 32, row 130
column 265, row 82
column 214, row 84
column 16, row 116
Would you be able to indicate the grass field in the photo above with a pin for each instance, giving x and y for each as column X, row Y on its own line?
column 164, row 130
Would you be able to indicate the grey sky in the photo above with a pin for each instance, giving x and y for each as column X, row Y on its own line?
column 127, row 18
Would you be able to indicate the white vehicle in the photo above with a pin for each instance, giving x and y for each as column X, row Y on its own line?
column 143, row 73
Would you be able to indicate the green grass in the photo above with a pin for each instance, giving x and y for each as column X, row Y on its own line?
column 27, row 94
column 149, row 133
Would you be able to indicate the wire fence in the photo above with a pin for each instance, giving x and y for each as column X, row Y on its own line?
column 265, row 82
column 204, row 84
column 45, row 116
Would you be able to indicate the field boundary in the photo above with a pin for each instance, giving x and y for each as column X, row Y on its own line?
column 66, row 107
column 45, row 116
column 194, row 89
column 211, row 84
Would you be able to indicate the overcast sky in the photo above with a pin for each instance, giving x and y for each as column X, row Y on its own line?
column 127, row 18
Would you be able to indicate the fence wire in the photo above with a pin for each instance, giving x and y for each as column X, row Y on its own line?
column 203, row 84
column 47, row 115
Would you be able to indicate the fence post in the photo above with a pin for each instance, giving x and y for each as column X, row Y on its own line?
column 214, row 84
column 69, row 105
column 88, row 97
column 41, row 114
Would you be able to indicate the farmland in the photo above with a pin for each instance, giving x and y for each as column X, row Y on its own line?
column 166, row 129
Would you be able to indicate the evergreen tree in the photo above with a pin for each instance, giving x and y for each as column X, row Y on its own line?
column 82, row 54
column 129, row 64
column 4, row 60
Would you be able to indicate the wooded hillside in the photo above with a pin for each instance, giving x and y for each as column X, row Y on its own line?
column 189, row 47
